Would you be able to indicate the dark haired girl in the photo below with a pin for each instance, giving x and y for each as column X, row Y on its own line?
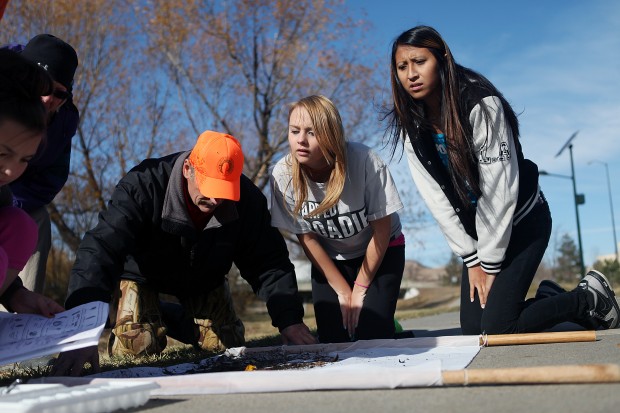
column 22, row 127
column 461, row 138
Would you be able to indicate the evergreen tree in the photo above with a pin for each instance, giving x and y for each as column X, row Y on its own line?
column 567, row 268
column 611, row 269
column 453, row 270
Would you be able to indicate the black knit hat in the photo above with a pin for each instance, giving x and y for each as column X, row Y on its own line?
column 55, row 56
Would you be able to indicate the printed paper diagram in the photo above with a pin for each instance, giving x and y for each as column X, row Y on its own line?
column 26, row 336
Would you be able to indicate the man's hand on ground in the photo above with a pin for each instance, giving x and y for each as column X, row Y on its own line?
column 297, row 334
column 71, row 363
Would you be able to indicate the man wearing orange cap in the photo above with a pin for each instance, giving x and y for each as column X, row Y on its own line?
column 176, row 225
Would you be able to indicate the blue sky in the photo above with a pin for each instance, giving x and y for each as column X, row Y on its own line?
column 558, row 64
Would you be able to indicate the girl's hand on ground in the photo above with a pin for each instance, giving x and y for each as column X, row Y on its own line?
column 357, row 302
column 478, row 281
column 71, row 363
column 344, row 299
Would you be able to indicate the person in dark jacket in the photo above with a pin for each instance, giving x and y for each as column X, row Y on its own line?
column 48, row 171
column 462, row 143
column 22, row 129
column 176, row 225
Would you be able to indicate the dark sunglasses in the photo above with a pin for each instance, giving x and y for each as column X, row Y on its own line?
column 61, row 94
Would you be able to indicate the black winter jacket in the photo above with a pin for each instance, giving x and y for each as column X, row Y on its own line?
column 147, row 232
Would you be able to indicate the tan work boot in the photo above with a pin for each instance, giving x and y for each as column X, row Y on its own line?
column 219, row 327
column 139, row 329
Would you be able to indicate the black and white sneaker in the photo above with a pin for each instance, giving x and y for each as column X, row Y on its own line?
column 605, row 309
column 548, row 288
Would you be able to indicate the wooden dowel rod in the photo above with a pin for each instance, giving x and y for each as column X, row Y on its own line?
column 579, row 373
column 537, row 338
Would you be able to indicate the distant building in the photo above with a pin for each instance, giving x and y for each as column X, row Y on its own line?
column 607, row 257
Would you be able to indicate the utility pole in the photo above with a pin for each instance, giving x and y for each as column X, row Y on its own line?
column 578, row 198
column 611, row 207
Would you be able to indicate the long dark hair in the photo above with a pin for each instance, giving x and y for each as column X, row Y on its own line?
column 22, row 83
column 458, row 85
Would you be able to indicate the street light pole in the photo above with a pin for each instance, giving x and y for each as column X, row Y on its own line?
column 578, row 198
column 611, row 206
column 572, row 168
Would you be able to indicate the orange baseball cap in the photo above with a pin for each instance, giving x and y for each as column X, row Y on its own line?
column 218, row 162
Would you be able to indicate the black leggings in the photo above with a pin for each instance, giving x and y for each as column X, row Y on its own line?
column 506, row 310
column 377, row 316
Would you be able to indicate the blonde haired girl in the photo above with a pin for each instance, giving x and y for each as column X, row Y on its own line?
column 339, row 198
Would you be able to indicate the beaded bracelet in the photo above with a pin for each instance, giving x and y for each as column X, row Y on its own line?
column 360, row 285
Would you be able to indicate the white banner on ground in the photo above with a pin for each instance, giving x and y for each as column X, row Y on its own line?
column 366, row 364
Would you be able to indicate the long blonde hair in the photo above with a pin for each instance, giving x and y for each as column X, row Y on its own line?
column 329, row 132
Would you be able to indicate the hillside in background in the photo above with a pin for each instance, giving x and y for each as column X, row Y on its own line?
column 414, row 272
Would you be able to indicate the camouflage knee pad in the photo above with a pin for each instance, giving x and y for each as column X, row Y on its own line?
column 138, row 339
column 139, row 329
column 218, row 325
column 219, row 337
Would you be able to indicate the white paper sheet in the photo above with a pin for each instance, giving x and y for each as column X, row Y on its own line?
column 370, row 364
column 27, row 336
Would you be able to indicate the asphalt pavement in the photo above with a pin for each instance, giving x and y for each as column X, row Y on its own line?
column 565, row 398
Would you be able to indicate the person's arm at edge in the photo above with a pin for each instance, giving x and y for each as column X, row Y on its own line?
column 17, row 298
